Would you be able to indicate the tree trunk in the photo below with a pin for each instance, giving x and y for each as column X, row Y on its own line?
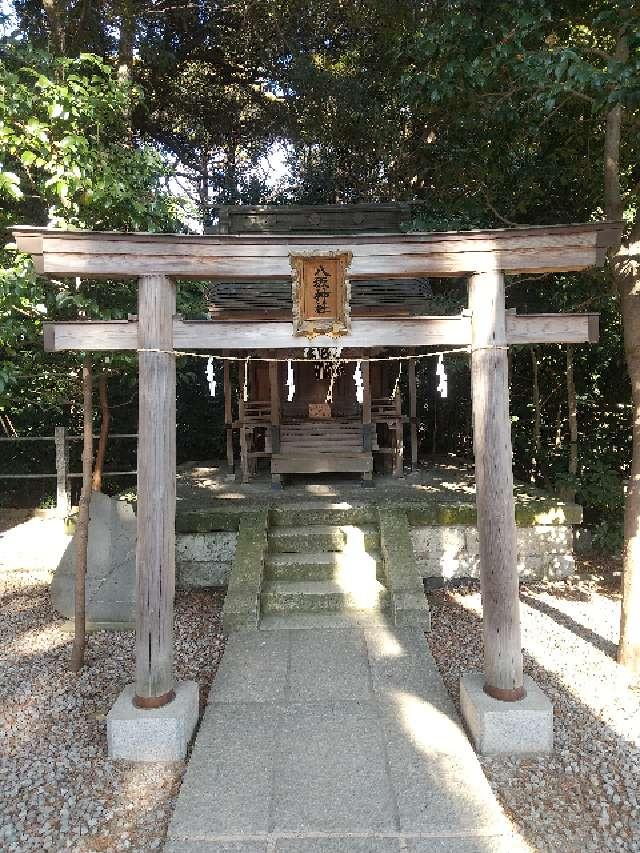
column 627, row 265
column 82, row 529
column 626, row 273
column 127, row 31
column 572, row 406
column 125, row 54
column 54, row 19
column 105, row 421
column 203, row 190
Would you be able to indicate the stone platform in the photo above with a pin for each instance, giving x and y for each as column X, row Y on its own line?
column 436, row 505
column 439, row 501
column 334, row 741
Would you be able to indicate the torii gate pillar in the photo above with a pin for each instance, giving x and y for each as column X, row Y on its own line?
column 505, row 711
column 156, row 511
column 154, row 719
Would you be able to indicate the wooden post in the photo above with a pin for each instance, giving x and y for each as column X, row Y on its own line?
column 494, row 488
column 228, row 413
column 82, row 526
column 244, row 459
column 155, row 553
column 367, row 427
column 398, row 443
column 63, row 498
column 274, row 385
column 413, row 418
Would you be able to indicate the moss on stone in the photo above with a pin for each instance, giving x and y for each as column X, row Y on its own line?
column 408, row 603
column 241, row 606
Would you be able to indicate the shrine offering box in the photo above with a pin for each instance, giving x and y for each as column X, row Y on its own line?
column 319, row 410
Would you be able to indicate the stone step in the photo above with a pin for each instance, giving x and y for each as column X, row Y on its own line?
column 343, row 566
column 301, row 620
column 320, row 513
column 321, row 596
column 323, row 537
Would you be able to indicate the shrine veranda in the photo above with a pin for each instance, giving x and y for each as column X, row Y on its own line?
column 323, row 427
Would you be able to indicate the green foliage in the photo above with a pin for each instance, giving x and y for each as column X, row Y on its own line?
column 481, row 114
column 67, row 160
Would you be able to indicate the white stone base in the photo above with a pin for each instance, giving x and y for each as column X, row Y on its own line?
column 506, row 728
column 156, row 734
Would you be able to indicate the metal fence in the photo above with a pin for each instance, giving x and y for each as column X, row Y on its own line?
column 63, row 475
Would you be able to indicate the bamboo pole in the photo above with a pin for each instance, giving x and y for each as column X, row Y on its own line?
column 494, row 488
column 82, row 528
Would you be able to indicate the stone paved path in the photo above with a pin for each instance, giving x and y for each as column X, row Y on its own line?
column 334, row 741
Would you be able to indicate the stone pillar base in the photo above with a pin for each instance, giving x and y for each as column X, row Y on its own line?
column 158, row 734
column 506, row 728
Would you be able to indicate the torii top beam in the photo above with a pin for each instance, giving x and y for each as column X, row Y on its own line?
column 532, row 249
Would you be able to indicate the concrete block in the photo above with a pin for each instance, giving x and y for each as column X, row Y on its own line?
column 217, row 546
column 196, row 574
column 506, row 728
column 156, row 734
column 545, row 539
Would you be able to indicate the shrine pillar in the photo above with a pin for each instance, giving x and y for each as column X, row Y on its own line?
column 153, row 719
column 504, row 711
column 156, row 508
column 494, row 488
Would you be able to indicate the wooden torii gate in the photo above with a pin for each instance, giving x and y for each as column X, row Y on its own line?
column 158, row 260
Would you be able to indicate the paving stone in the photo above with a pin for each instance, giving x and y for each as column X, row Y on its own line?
column 310, row 679
column 438, row 782
column 226, row 789
column 402, row 667
column 338, row 845
column 254, row 668
column 177, row 846
column 476, row 844
column 331, row 773
column 349, row 743
column 343, row 619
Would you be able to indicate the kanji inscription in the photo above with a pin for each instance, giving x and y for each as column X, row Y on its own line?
column 321, row 294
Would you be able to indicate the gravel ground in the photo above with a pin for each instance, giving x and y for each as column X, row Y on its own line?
column 586, row 795
column 58, row 791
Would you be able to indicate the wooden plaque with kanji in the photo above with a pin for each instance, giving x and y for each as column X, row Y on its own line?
column 321, row 294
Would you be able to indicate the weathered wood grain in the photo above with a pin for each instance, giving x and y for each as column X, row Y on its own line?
column 228, row 412
column 413, row 409
column 399, row 332
column 532, row 249
column 155, row 552
column 494, row 488
column 274, row 386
